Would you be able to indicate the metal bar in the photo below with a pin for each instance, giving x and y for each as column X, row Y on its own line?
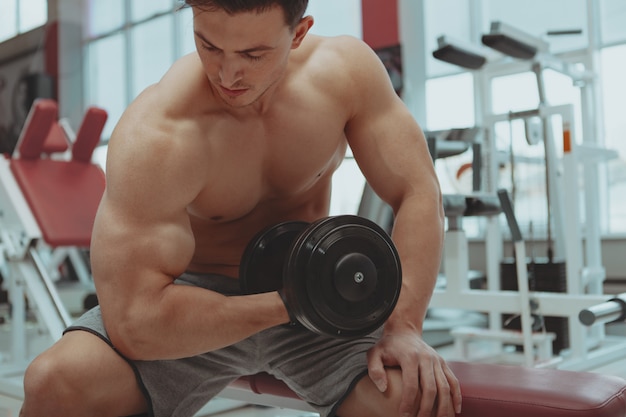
column 550, row 303
column 522, row 276
column 601, row 313
column 50, row 289
column 18, row 305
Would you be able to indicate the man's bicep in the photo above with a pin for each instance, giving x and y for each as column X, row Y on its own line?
column 387, row 142
column 391, row 151
column 130, row 254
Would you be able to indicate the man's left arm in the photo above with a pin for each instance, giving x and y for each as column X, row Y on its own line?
column 392, row 153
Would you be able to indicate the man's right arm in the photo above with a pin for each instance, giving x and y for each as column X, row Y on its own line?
column 142, row 241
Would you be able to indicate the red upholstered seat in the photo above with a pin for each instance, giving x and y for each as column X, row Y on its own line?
column 515, row 391
column 63, row 195
column 510, row 391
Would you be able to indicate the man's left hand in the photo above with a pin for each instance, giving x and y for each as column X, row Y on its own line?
column 427, row 382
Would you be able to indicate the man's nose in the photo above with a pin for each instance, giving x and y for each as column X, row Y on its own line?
column 230, row 72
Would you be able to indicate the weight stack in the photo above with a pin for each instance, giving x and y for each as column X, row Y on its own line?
column 543, row 276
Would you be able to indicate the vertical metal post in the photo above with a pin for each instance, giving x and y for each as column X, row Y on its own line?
column 573, row 239
column 522, row 277
column 493, row 234
column 18, row 315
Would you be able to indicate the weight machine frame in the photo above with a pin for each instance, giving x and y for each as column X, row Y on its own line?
column 585, row 274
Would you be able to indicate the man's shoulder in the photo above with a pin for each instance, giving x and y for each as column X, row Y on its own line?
column 161, row 121
column 338, row 47
column 340, row 57
column 339, row 63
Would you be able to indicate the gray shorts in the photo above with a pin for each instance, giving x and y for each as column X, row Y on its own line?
column 321, row 370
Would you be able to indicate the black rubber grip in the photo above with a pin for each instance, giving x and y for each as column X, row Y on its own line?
column 507, row 208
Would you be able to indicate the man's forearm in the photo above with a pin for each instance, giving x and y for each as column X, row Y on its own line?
column 186, row 321
column 418, row 235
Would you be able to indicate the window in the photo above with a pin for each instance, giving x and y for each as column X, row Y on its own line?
column 19, row 16
column 104, row 17
column 450, row 104
column 8, row 19
column 153, row 52
column 106, row 84
column 130, row 45
column 334, row 17
column 441, row 21
column 613, row 15
column 145, row 9
column 32, row 14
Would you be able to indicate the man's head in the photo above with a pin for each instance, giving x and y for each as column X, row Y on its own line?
column 293, row 9
column 244, row 45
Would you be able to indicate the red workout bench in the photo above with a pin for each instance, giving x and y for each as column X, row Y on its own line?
column 63, row 194
column 508, row 391
column 76, row 186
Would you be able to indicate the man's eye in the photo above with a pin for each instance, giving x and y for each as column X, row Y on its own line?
column 209, row 48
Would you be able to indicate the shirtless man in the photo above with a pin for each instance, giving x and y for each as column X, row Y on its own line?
column 243, row 134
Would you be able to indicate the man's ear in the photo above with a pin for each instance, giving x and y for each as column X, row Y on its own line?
column 302, row 28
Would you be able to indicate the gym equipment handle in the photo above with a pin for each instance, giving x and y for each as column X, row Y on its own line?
column 507, row 208
column 609, row 311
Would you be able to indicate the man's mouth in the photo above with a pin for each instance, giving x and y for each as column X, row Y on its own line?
column 233, row 93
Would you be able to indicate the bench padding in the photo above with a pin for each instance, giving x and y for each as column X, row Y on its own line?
column 510, row 391
column 515, row 391
column 63, row 194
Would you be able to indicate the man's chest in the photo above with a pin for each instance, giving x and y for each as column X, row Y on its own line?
column 251, row 166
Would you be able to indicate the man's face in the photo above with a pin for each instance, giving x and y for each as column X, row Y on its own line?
column 244, row 54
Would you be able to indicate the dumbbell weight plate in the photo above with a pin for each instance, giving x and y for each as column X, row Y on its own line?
column 344, row 276
column 262, row 263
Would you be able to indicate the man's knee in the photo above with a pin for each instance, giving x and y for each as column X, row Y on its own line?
column 47, row 373
column 81, row 375
column 45, row 380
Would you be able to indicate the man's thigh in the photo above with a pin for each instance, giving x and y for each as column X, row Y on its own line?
column 365, row 400
column 322, row 370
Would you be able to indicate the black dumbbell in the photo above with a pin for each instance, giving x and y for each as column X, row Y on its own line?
column 339, row 276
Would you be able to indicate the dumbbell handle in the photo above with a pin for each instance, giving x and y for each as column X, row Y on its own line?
column 612, row 310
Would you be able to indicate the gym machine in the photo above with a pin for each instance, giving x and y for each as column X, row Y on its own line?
column 576, row 269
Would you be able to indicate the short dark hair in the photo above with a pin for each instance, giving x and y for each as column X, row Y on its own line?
column 293, row 9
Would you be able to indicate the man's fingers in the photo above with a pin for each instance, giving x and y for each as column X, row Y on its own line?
column 408, row 403
column 429, row 386
column 376, row 371
column 455, row 389
column 445, row 404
